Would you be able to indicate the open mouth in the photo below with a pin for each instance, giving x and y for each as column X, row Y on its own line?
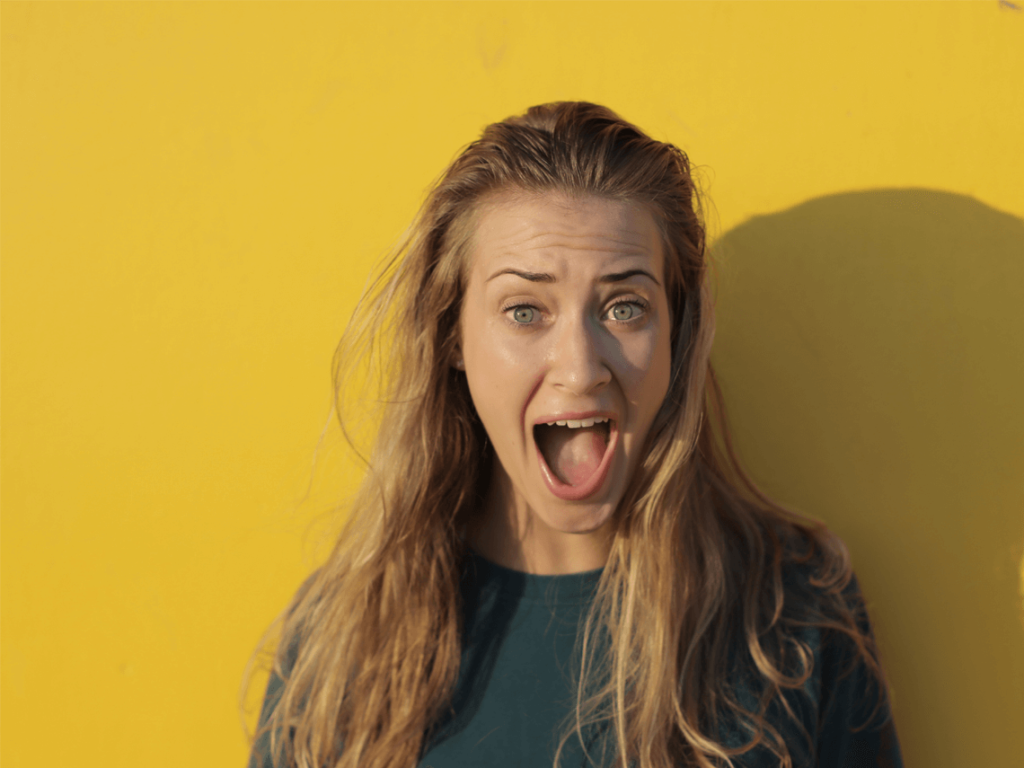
column 574, row 451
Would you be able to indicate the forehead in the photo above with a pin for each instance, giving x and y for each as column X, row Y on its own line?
column 553, row 231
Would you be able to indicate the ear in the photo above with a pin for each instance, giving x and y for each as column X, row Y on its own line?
column 456, row 360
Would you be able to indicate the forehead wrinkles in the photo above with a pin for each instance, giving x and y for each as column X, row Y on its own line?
column 536, row 236
column 522, row 226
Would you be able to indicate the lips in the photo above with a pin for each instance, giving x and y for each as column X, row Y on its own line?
column 575, row 452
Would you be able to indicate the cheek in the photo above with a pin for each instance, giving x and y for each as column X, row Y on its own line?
column 650, row 367
column 496, row 373
column 649, row 358
column 491, row 356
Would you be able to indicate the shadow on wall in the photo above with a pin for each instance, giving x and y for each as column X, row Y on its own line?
column 871, row 348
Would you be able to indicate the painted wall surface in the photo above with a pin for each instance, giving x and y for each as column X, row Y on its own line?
column 194, row 193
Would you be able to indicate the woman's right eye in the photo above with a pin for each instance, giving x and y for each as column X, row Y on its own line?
column 523, row 314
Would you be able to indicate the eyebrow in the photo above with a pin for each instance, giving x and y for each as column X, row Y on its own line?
column 545, row 277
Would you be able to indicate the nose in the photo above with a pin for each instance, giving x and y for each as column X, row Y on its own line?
column 579, row 363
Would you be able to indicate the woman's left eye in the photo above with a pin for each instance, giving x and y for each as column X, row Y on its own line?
column 625, row 311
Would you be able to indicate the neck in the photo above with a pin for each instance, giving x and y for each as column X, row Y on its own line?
column 508, row 532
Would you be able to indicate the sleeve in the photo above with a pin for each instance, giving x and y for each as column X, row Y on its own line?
column 855, row 725
column 260, row 756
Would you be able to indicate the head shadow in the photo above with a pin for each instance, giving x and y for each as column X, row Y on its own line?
column 871, row 350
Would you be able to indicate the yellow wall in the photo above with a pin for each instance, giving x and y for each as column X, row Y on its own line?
column 194, row 193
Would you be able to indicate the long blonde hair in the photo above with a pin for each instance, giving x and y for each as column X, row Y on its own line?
column 693, row 592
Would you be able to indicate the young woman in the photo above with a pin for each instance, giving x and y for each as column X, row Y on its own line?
column 554, row 557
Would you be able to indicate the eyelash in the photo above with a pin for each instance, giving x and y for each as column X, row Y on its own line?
column 644, row 307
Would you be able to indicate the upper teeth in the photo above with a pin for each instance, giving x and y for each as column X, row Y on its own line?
column 576, row 424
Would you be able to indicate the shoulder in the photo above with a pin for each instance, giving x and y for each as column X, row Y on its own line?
column 824, row 606
column 285, row 658
column 839, row 713
column 853, row 724
column 817, row 577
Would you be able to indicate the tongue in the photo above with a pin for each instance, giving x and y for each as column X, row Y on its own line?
column 573, row 454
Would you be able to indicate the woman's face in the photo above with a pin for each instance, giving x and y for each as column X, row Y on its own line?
column 565, row 333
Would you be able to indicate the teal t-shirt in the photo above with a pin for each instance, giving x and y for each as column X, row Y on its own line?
column 516, row 679
column 516, row 686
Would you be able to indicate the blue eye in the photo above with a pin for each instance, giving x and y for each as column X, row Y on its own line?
column 625, row 311
column 524, row 314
